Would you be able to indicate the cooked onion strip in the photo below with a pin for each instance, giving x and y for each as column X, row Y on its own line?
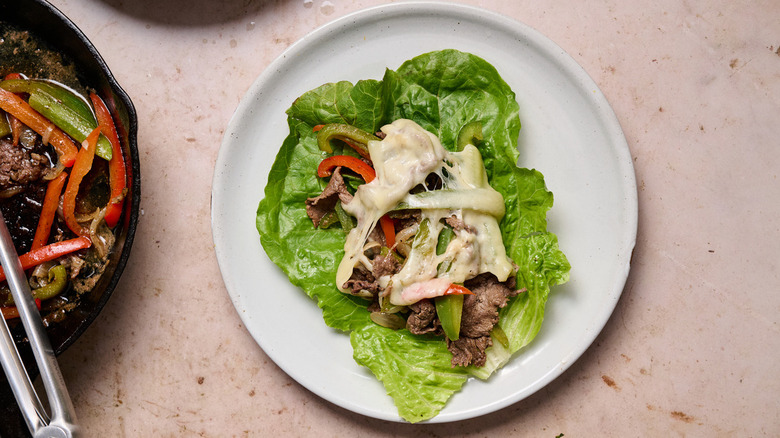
column 407, row 233
column 389, row 320
column 54, row 172
column 98, row 240
column 46, row 134
column 11, row 191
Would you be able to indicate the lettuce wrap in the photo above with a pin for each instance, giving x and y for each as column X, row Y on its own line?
column 443, row 92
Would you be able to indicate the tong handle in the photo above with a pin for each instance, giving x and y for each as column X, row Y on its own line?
column 63, row 418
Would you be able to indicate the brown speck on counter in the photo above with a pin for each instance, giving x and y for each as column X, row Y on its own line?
column 201, row 379
column 611, row 383
column 682, row 416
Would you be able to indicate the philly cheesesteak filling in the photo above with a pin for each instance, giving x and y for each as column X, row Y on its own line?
column 423, row 242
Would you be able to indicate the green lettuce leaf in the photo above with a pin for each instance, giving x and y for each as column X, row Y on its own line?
column 442, row 91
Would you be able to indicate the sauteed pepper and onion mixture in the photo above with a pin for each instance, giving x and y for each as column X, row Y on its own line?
column 62, row 187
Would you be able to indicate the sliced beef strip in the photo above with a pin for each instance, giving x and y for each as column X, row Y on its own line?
column 361, row 285
column 480, row 311
column 385, row 265
column 19, row 166
column 336, row 190
column 422, row 318
column 362, row 279
column 458, row 224
column 480, row 315
column 405, row 218
column 469, row 351
column 376, row 235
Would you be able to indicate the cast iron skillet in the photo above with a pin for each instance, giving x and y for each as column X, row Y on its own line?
column 49, row 25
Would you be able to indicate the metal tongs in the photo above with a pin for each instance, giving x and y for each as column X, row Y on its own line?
column 62, row 423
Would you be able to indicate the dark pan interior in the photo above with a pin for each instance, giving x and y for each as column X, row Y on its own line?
column 50, row 25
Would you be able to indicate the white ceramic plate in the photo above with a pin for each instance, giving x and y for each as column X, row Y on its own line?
column 569, row 133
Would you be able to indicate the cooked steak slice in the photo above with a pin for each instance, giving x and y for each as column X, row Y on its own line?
column 361, row 280
column 480, row 311
column 385, row 265
column 336, row 190
column 458, row 224
column 422, row 318
column 480, row 315
column 469, row 351
column 19, row 166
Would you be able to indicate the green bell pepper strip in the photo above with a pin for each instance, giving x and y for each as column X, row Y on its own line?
column 449, row 308
column 5, row 127
column 58, row 279
column 445, row 237
column 68, row 98
column 328, row 219
column 68, row 120
column 470, row 133
column 344, row 218
column 355, row 137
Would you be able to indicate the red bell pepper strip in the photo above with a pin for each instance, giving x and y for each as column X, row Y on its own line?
column 16, row 125
column 367, row 172
column 80, row 169
column 352, row 163
column 116, row 166
column 50, row 252
column 388, row 228
column 17, row 107
column 50, row 203
column 16, row 129
column 12, row 312
column 456, row 289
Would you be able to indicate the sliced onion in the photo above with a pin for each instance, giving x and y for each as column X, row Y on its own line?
column 27, row 138
column 363, row 294
column 403, row 248
column 100, row 243
column 371, row 245
column 89, row 216
column 407, row 233
column 40, row 275
column 54, row 172
column 45, row 136
column 389, row 320
column 11, row 191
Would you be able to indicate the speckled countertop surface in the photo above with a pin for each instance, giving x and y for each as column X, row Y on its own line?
column 693, row 345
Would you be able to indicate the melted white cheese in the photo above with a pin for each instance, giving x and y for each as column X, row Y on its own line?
column 402, row 160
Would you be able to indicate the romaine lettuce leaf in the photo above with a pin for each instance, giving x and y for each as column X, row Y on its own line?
column 442, row 91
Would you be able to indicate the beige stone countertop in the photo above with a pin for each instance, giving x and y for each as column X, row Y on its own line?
column 693, row 346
